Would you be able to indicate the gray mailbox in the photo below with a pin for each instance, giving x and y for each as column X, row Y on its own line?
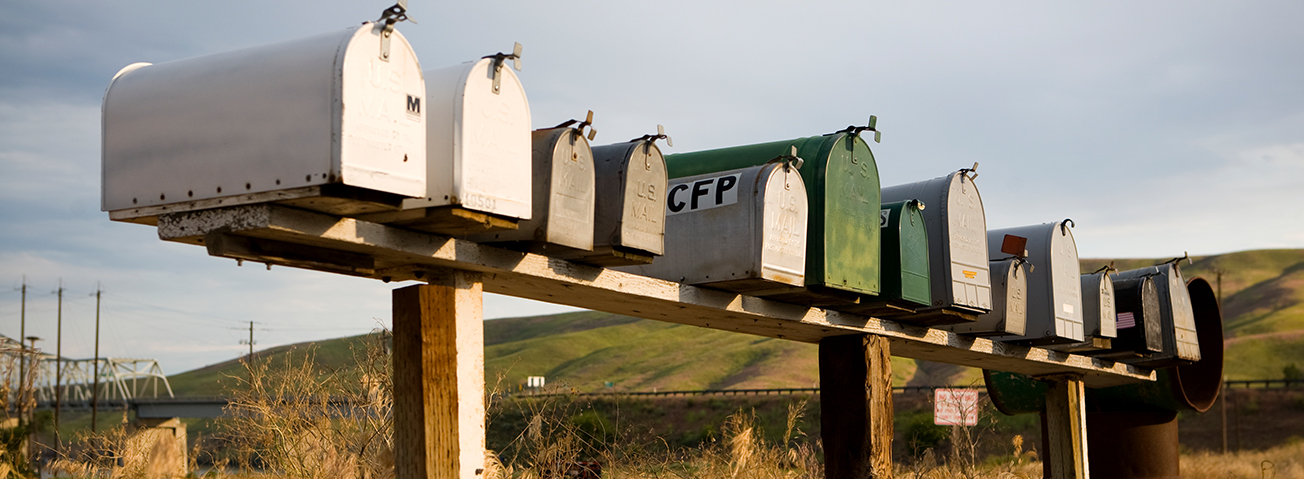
column 477, row 151
column 1098, row 313
column 630, row 214
column 1137, row 320
column 562, row 218
column 1054, row 286
column 740, row 230
column 1177, row 318
column 332, row 123
column 957, row 246
column 1009, row 314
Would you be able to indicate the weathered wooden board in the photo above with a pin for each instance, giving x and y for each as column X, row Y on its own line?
column 408, row 255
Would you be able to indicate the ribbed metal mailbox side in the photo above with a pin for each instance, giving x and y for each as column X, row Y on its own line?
column 957, row 247
column 740, row 230
column 1009, row 314
column 311, row 119
column 1180, row 342
column 841, row 176
column 1054, row 283
column 905, row 262
column 629, row 213
column 562, row 202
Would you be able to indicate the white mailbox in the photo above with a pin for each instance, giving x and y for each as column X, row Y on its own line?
column 1009, row 314
column 477, row 151
column 630, row 215
column 740, row 230
column 561, row 220
column 1181, row 344
column 1054, row 286
column 957, row 246
column 333, row 123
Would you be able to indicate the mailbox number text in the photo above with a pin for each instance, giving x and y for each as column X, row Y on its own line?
column 702, row 194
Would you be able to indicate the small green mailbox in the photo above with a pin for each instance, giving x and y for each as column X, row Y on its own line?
column 905, row 262
column 841, row 177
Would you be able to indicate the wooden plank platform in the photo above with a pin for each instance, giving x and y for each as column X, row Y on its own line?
column 401, row 254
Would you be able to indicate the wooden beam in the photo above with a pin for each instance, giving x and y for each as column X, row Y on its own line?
column 406, row 255
column 1065, row 429
column 439, row 431
column 856, row 406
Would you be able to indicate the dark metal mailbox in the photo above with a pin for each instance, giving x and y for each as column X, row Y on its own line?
column 1180, row 342
column 1098, row 313
column 1009, row 314
column 630, row 215
column 330, row 123
column 957, row 247
column 1054, row 283
column 562, row 217
column 905, row 262
column 1137, row 320
column 740, row 230
column 841, row 177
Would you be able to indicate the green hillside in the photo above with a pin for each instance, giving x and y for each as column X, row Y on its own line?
column 1263, row 310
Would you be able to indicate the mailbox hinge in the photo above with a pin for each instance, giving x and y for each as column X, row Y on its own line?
column 496, row 72
column 389, row 17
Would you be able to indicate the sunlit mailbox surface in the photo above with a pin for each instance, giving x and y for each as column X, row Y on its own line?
column 905, row 262
column 957, row 247
column 1177, row 329
column 1098, row 313
column 323, row 123
column 1137, row 319
column 1054, row 285
column 1009, row 314
column 741, row 230
column 630, row 212
column 842, row 252
column 477, row 152
column 562, row 203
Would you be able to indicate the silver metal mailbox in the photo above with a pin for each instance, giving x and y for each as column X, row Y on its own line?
column 562, row 217
column 957, row 246
column 1137, row 320
column 477, row 151
column 331, row 123
column 1009, row 314
column 1177, row 318
column 740, row 230
column 629, row 214
column 1054, row 286
column 1098, row 313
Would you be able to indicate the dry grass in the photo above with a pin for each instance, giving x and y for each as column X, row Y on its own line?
column 1281, row 462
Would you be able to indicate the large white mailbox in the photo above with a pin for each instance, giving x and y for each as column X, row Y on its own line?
column 630, row 214
column 957, row 246
column 1054, row 286
column 739, row 230
column 333, row 123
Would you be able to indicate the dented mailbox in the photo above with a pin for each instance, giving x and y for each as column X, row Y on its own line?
column 1009, row 314
column 1054, row 286
column 332, row 123
column 1177, row 317
column 740, row 230
column 562, row 218
column 842, row 253
column 957, row 247
column 630, row 212
column 905, row 262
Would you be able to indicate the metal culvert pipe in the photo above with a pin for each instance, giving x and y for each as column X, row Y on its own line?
column 1197, row 385
column 1133, row 445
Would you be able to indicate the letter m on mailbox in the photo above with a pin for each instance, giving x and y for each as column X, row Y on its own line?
column 414, row 105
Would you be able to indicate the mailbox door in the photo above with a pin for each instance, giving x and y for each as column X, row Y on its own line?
column 1009, row 314
column 782, row 204
column 905, row 253
column 570, row 187
column 1137, row 317
column 642, row 214
column 843, row 251
column 478, row 141
column 957, row 240
column 1098, row 312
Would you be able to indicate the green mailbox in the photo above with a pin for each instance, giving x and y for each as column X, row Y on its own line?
column 842, row 249
column 905, row 262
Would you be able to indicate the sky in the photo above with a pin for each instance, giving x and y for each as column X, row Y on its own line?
column 1159, row 127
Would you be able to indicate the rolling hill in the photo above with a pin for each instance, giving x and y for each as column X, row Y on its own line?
column 1263, row 297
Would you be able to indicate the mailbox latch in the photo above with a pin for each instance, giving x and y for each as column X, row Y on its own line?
column 389, row 17
column 789, row 160
column 496, row 73
column 650, row 139
column 579, row 129
column 853, row 131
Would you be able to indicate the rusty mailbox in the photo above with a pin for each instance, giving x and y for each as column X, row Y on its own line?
column 1177, row 317
column 1054, row 285
column 332, row 123
column 561, row 221
column 957, row 246
column 629, row 215
column 740, row 230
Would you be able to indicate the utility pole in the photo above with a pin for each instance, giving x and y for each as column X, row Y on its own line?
column 58, row 365
column 95, row 380
column 1218, row 272
column 250, row 341
column 22, row 356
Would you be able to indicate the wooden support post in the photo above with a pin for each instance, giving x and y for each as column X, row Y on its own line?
column 1065, row 429
column 856, row 406
column 439, row 414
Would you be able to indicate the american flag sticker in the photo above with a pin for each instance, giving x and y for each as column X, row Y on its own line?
column 1126, row 320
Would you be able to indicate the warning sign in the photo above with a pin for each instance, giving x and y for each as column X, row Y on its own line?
column 955, row 407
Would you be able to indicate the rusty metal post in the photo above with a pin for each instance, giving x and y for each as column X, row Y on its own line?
column 1139, row 445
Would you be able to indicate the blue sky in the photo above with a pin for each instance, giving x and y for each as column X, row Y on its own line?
column 1159, row 127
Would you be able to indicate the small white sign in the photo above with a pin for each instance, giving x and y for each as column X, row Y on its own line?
column 955, row 407
column 703, row 194
column 534, row 381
